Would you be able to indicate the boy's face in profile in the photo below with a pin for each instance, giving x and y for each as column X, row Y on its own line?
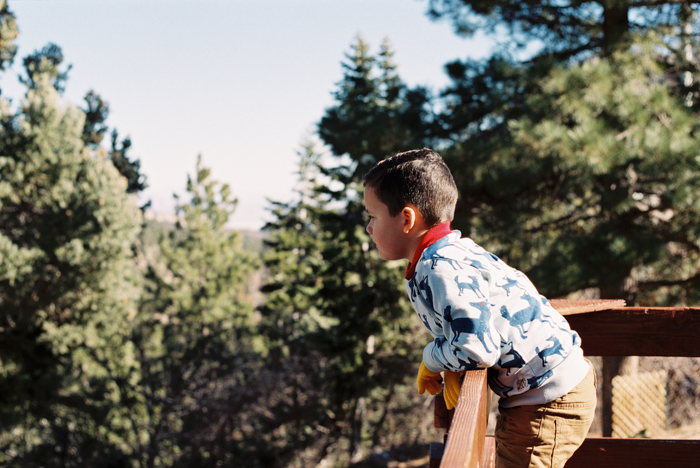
column 387, row 231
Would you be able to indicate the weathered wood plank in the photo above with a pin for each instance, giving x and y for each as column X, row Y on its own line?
column 637, row 453
column 489, row 458
column 467, row 436
column 639, row 331
column 580, row 306
column 442, row 417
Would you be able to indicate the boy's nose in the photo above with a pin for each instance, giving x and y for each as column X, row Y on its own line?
column 369, row 228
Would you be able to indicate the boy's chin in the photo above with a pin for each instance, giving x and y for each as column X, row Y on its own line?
column 387, row 257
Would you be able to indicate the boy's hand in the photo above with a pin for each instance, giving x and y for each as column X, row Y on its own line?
column 453, row 383
column 428, row 380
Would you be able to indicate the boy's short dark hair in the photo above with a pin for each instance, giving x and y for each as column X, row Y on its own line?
column 418, row 177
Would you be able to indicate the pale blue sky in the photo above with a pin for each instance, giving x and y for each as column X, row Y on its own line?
column 241, row 82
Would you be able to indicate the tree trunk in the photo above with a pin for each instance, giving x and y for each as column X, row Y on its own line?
column 615, row 27
column 357, row 426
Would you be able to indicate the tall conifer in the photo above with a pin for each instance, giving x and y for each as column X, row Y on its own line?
column 195, row 337
column 68, row 286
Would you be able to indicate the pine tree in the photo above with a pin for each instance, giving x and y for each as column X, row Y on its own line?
column 565, row 28
column 524, row 200
column 600, row 199
column 291, row 319
column 373, row 343
column 8, row 34
column 351, row 329
column 96, row 113
column 195, row 336
column 68, row 286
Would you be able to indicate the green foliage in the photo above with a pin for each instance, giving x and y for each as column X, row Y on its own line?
column 195, row 338
column 8, row 33
column 343, row 335
column 340, row 330
column 376, row 115
column 45, row 63
column 578, row 173
column 297, row 425
column 96, row 113
column 565, row 29
column 68, row 287
column 130, row 169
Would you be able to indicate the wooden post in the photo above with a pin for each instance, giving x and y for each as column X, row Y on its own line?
column 611, row 368
column 467, row 439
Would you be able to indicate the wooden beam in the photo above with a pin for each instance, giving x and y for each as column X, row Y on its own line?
column 639, row 453
column 489, row 458
column 467, row 436
column 639, row 331
column 442, row 417
column 580, row 306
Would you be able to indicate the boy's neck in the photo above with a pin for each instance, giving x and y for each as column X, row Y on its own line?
column 430, row 236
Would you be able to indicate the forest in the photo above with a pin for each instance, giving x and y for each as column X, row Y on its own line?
column 128, row 343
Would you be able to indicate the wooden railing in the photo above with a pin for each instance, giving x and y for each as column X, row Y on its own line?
column 607, row 328
column 468, row 444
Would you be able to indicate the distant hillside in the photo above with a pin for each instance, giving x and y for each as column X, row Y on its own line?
column 157, row 224
column 160, row 223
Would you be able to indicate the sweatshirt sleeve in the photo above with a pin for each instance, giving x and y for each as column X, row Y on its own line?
column 461, row 303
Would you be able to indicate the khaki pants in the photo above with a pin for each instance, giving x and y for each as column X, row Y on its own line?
column 545, row 436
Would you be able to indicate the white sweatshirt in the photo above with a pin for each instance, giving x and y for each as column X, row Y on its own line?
column 486, row 314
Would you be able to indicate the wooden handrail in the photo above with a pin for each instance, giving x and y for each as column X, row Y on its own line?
column 639, row 331
column 605, row 330
column 467, row 444
column 606, row 452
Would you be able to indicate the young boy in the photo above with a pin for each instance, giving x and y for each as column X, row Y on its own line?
column 482, row 314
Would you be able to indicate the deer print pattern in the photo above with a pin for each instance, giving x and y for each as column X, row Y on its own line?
column 525, row 316
column 479, row 327
column 484, row 313
column 473, row 284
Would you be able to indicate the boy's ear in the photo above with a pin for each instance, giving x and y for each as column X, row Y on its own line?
column 410, row 218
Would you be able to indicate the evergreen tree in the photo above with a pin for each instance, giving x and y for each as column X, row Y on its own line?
column 601, row 198
column 342, row 341
column 568, row 32
column 8, row 34
column 195, row 339
column 96, row 113
column 354, row 334
column 47, row 62
column 566, row 28
column 297, row 422
column 516, row 198
column 68, row 286
column 375, row 116
column 130, row 169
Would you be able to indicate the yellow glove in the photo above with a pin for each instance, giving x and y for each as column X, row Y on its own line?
column 428, row 380
column 453, row 383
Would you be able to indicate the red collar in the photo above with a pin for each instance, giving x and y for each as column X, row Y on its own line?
column 433, row 235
